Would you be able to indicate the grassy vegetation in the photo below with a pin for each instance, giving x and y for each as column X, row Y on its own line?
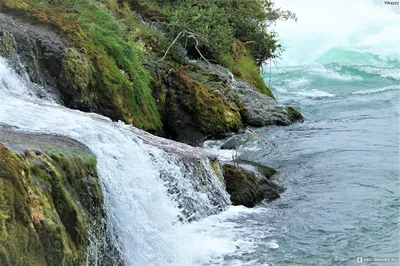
column 118, row 82
column 241, row 63
column 219, row 34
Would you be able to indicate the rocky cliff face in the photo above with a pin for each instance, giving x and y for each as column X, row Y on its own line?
column 38, row 52
column 51, row 204
column 195, row 100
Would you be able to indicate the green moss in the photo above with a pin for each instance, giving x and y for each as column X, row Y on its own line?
column 7, row 44
column 19, row 244
column 294, row 114
column 217, row 169
column 247, row 188
column 110, row 59
column 40, row 220
column 241, row 188
column 77, row 69
column 242, row 64
column 212, row 113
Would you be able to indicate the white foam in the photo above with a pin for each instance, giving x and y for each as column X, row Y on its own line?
column 297, row 83
column 227, row 234
column 362, row 92
column 381, row 71
column 138, row 206
column 213, row 147
column 9, row 80
column 320, row 70
column 314, row 94
column 322, row 25
column 273, row 244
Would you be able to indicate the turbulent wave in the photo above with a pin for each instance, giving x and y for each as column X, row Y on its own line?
column 395, row 87
column 314, row 93
column 325, row 27
column 393, row 72
column 306, row 93
column 331, row 71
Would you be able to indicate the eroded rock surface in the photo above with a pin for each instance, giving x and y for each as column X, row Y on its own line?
column 250, row 183
column 51, row 204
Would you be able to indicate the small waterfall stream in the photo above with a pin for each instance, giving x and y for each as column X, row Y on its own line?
column 150, row 185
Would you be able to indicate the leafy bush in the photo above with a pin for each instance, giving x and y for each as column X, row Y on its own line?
column 219, row 22
column 208, row 24
column 251, row 21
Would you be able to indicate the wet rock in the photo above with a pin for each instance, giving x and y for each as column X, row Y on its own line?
column 194, row 112
column 250, row 183
column 202, row 172
column 257, row 109
column 50, row 199
column 261, row 110
column 264, row 170
column 35, row 51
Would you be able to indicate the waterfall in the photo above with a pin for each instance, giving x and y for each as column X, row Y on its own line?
column 150, row 185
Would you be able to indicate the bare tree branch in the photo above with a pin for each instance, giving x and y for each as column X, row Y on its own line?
column 189, row 35
column 169, row 47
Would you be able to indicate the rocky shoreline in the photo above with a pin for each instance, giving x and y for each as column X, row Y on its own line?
column 50, row 184
column 195, row 100
column 51, row 192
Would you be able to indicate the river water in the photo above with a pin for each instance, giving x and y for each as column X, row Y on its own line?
column 340, row 167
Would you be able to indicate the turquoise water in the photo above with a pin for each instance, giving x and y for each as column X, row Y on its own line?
column 340, row 167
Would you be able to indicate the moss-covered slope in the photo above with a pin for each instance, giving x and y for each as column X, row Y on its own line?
column 99, row 70
column 194, row 111
column 120, row 58
column 48, row 203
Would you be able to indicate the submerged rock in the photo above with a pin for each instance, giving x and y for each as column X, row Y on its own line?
column 51, row 204
column 250, row 183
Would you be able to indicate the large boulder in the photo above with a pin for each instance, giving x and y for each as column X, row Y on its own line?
column 50, row 199
column 257, row 109
column 193, row 111
column 262, row 110
column 250, row 183
column 205, row 100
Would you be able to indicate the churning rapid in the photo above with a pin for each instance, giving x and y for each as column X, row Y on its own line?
column 341, row 166
column 148, row 190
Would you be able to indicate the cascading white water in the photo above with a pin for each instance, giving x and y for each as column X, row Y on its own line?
column 140, row 210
